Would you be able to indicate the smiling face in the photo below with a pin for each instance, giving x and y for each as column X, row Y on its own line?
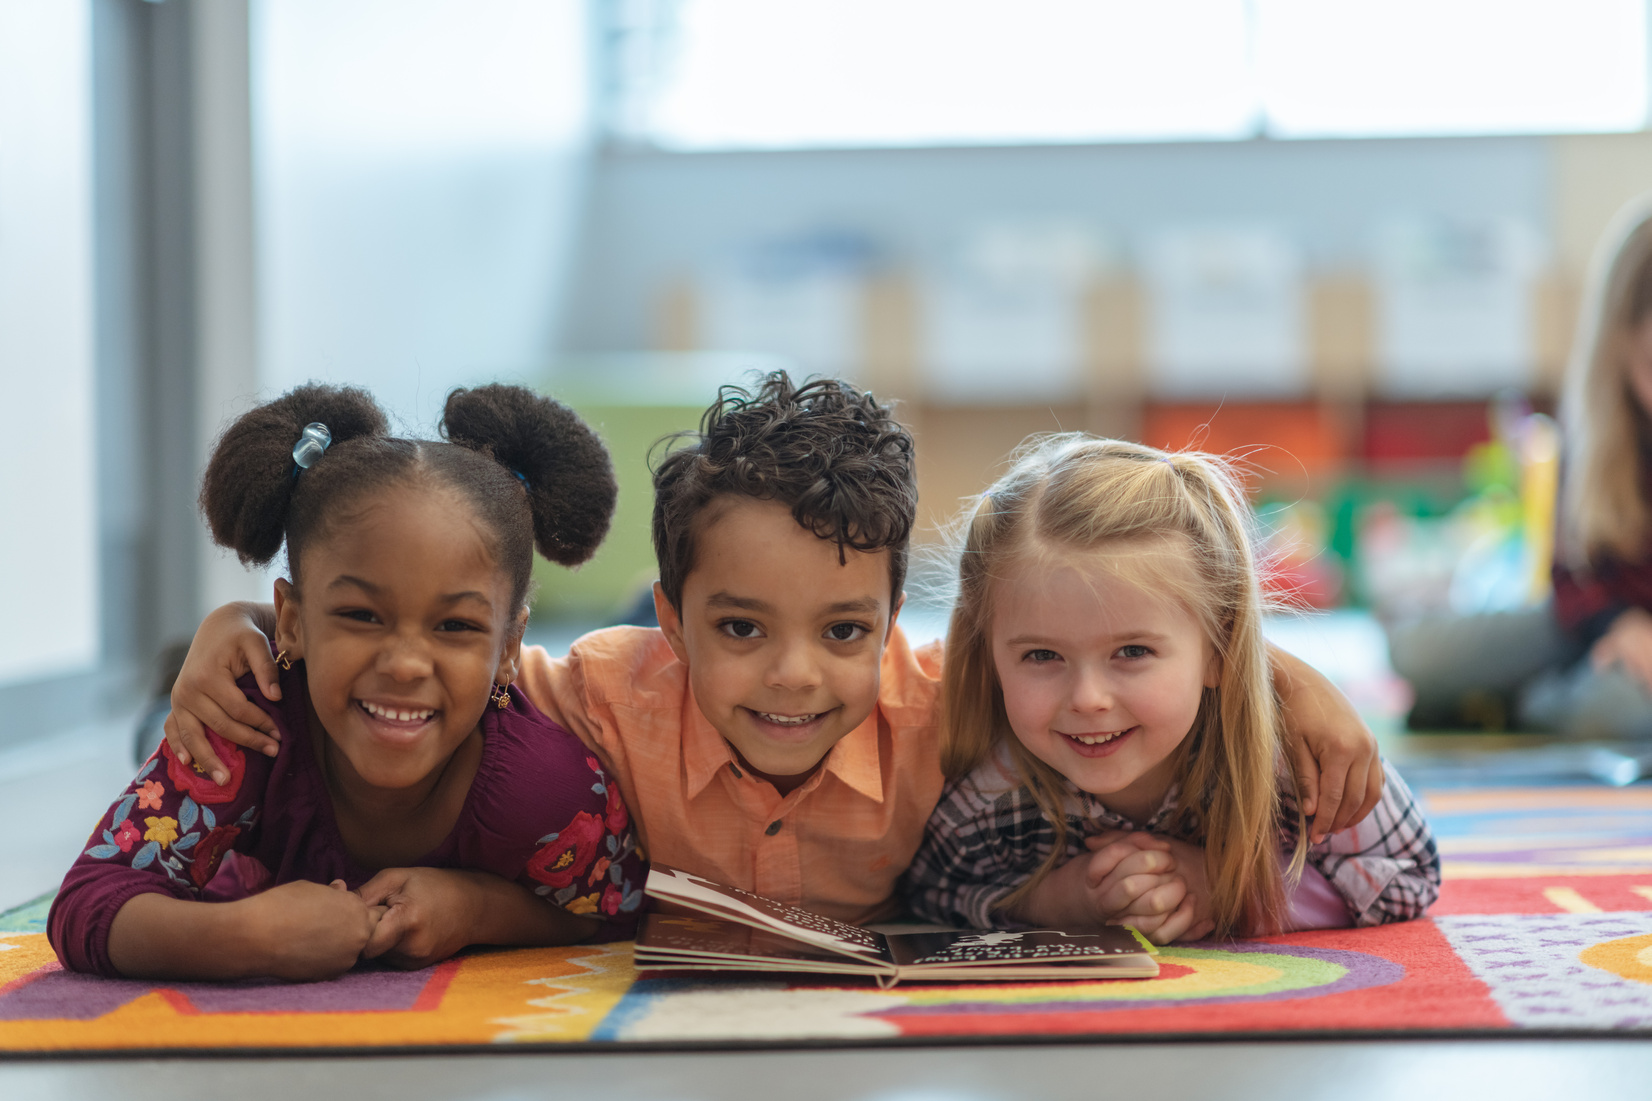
column 404, row 625
column 1101, row 676
column 781, row 640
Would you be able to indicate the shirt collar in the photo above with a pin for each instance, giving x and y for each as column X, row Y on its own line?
column 1094, row 807
column 704, row 751
column 855, row 760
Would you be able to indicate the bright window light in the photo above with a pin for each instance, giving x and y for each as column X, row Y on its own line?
column 757, row 73
column 1367, row 68
column 48, row 451
column 779, row 74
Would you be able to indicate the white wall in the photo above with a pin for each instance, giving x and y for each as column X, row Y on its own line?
column 48, row 495
column 421, row 168
column 658, row 216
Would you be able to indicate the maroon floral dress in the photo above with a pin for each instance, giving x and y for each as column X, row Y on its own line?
column 541, row 812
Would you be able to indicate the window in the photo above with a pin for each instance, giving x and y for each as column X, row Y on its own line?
column 755, row 74
column 48, row 458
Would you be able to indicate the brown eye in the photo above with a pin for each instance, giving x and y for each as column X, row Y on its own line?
column 847, row 632
column 740, row 628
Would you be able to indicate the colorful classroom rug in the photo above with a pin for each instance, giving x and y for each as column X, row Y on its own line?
column 1544, row 926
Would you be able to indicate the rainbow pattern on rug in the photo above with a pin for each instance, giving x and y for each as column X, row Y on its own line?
column 1544, row 923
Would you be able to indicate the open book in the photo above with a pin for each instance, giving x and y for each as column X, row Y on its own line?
column 735, row 930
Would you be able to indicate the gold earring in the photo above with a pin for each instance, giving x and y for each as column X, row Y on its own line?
column 501, row 697
column 286, row 662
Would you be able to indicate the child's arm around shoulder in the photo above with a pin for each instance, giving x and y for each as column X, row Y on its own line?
column 1387, row 867
column 234, row 640
column 231, row 642
column 1334, row 755
column 607, row 667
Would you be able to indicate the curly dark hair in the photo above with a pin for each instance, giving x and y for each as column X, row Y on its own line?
column 532, row 470
column 831, row 453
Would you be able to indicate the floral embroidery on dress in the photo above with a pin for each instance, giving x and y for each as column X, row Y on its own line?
column 570, row 853
column 125, row 836
column 149, row 796
column 210, row 853
column 615, row 814
column 163, row 831
column 593, row 847
column 170, row 843
column 196, row 784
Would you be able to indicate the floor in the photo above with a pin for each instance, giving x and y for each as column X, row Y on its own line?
column 1507, row 1071
column 51, row 790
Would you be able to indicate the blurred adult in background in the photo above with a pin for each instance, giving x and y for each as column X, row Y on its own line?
column 1581, row 663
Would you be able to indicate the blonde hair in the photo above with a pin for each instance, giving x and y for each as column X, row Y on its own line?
column 1075, row 493
column 1604, row 511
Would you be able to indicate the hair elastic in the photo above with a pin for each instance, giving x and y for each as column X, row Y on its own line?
column 315, row 439
column 521, row 477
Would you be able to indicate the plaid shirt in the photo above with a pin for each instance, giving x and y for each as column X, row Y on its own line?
column 988, row 836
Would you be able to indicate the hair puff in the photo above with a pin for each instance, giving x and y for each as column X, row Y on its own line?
column 563, row 465
column 249, row 482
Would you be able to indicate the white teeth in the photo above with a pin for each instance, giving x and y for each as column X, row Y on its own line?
column 787, row 720
column 398, row 716
column 1095, row 739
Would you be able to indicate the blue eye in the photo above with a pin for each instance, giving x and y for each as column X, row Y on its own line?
column 847, row 632
column 1134, row 651
column 1040, row 657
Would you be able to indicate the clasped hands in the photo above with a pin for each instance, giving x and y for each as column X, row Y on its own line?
column 1153, row 884
column 408, row 917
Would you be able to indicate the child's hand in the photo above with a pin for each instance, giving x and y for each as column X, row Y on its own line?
column 1093, row 888
column 429, row 914
column 1627, row 643
column 306, row 932
column 229, row 644
column 1163, row 912
column 1133, row 878
column 1334, row 756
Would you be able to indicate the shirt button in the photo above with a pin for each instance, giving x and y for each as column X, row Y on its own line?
column 774, row 828
column 738, row 775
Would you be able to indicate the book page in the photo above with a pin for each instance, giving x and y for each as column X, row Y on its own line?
column 750, row 909
column 671, row 938
column 998, row 946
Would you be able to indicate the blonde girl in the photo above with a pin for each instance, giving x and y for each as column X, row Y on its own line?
column 1110, row 733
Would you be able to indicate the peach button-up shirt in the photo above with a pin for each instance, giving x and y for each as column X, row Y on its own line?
column 836, row 845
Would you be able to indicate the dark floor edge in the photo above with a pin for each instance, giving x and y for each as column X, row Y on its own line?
column 650, row 1047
